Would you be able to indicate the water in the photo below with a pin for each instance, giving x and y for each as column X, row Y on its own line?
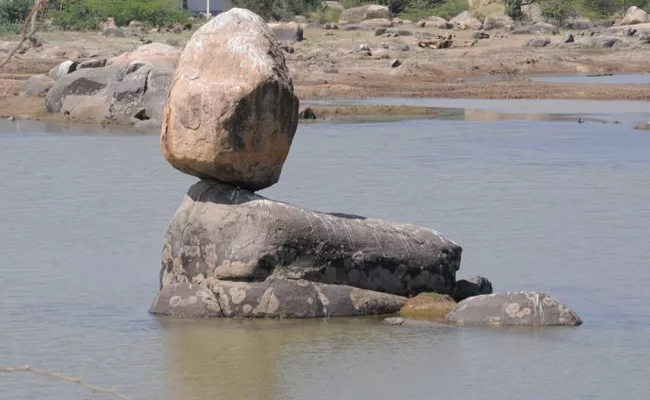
column 617, row 78
column 556, row 206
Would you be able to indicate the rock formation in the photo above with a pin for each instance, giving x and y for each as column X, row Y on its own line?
column 358, row 14
column 513, row 308
column 230, row 118
column 231, row 113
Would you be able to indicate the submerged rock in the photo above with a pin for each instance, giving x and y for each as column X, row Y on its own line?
column 272, row 298
column 513, row 308
column 233, row 120
column 228, row 234
column 428, row 306
column 414, row 323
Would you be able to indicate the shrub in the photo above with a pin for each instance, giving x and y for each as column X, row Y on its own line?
column 556, row 10
column 14, row 11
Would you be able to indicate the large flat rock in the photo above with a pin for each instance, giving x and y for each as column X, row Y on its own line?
column 234, row 235
column 272, row 298
column 513, row 308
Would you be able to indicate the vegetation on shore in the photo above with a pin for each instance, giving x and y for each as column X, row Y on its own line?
column 90, row 14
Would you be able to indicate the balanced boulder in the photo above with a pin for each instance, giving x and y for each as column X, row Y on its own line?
column 513, row 308
column 230, row 234
column 231, row 113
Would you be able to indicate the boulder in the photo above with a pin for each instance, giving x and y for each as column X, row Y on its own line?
column 603, row 42
column 635, row 15
column 399, row 32
column 307, row 113
column 92, row 63
column 539, row 28
column 537, row 42
column 466, row 20
column 644, row 38
column 231, row 121
column 333, row 5
column 478, row 35
column 376, row 23
column 37, row 85
column 272, row 298
column 438, row 23
column 623, row 30
column 395, row 63
column 513, row 308
column 379, row 31
column 234, row 235
column 568, row 38
column 86, row 83
column 64, row 68
column 470, row 287
column 414, row 323
column 429, row 306
column 363, row 13
column 497, row 22
column 155, row 53
column 288, row 32
column 116, row 93
column 113, row 32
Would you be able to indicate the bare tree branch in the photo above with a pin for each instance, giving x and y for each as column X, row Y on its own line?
column 54, row 375
column 30, row 23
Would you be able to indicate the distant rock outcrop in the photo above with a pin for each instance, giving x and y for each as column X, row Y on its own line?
column 371, row 11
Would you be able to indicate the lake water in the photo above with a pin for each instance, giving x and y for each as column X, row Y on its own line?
column 559, row 207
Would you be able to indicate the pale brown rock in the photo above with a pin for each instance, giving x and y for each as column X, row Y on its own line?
column 635, row 15
column 428, row 306
column 231, row 113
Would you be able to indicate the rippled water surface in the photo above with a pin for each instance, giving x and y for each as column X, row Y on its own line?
column 555, row 206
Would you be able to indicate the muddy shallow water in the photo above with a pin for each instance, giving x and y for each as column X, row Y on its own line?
column 554, row 206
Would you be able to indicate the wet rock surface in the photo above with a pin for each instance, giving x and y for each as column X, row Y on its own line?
column 427, row 306
column 272, row 298
column 513, row 308
column 414, row 323
column 224, row 233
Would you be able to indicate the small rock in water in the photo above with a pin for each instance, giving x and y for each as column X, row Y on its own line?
column 307, row 113
column 427, row 306
column 513, row 308
column 643, row 125
column 11, row 119
column 395, row 63
column 473, row 286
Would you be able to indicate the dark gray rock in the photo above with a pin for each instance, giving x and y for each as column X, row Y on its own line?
column 568, row 38
column 230, row 234
column 37, row 85
column 539, row 28
column 119, row 93
column 414, row 323
column 478, row 35
column 395, row 63
column 83, row 82
column 307, row 113
column 113, row 32
column 537, row 42
column 513, row 308
column 470, row 287
column 272, row 298
column 399, row 32
column 497, row 22
column 64, row 68
column 93, row 63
